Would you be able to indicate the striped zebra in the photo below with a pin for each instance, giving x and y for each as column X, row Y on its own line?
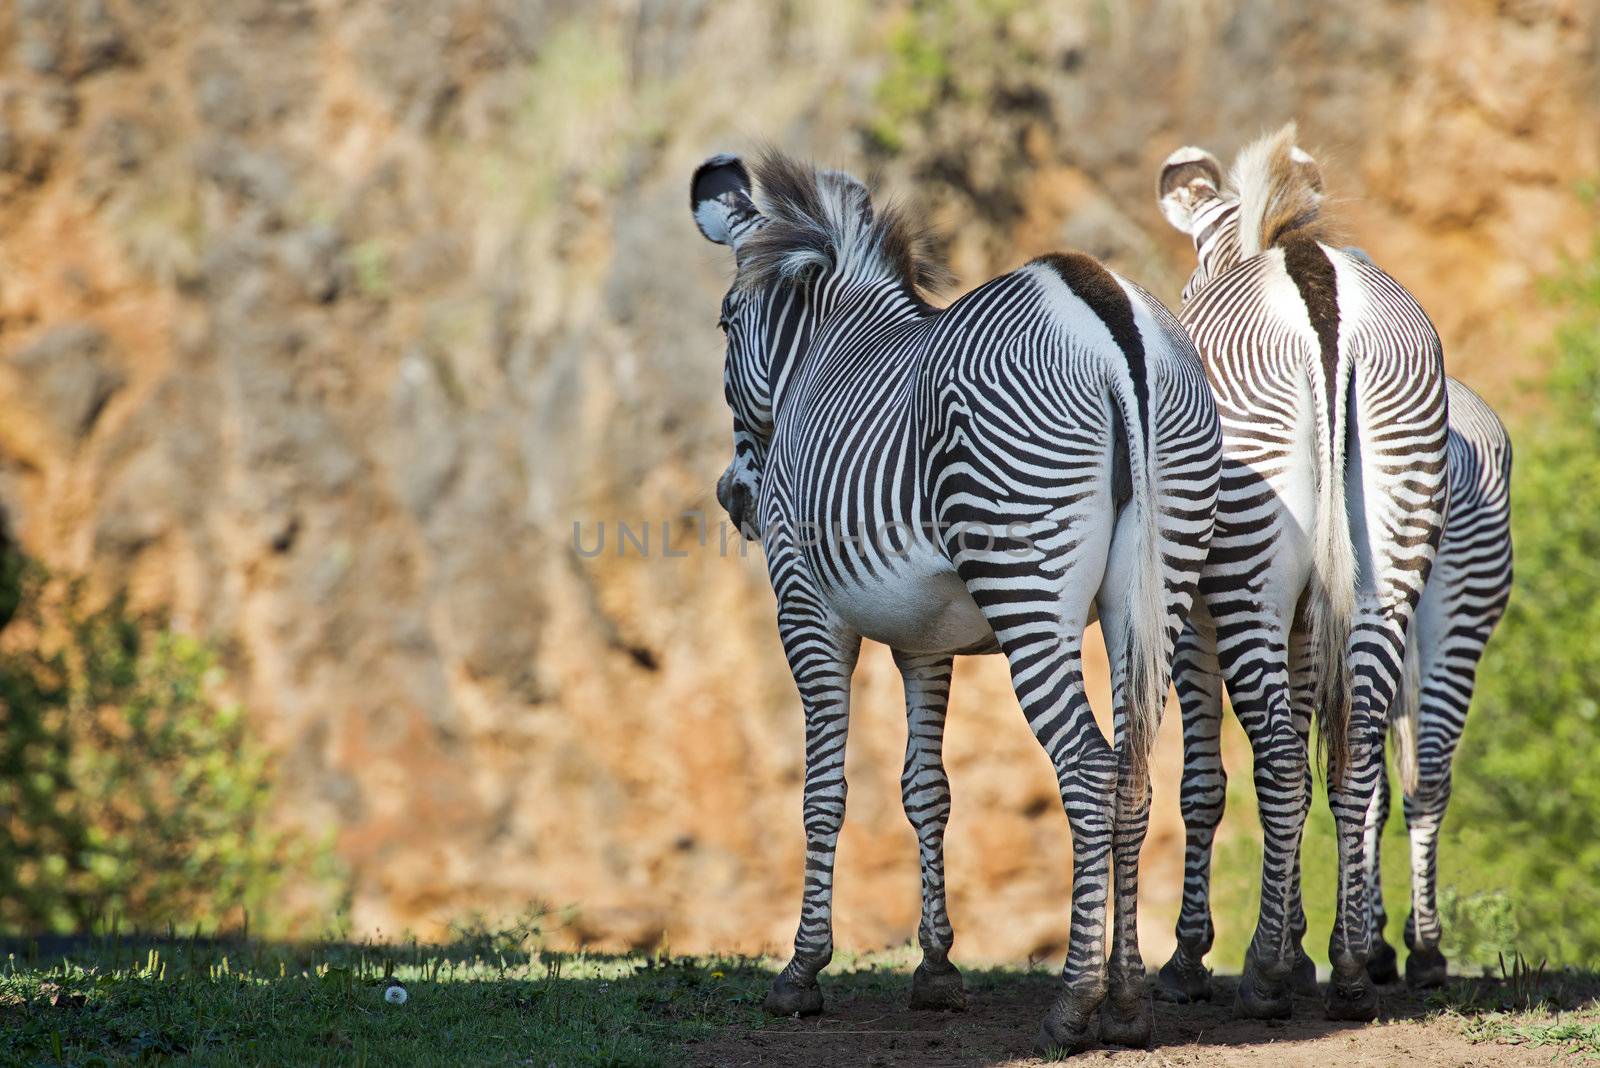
column 1330, row 384
column 973, row 479
column 1462, row 602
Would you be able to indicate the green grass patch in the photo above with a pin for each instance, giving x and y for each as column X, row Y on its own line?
column 1578, row 1033
column 477, row 1001
column 485, row 998
column 1527, row 1006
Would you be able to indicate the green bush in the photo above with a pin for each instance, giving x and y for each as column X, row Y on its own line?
column 942, row 56
column 1522, row 819
column 129, row 792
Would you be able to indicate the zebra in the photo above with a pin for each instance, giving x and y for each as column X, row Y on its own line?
column 1464, row 598
column 1462, row 603
column 1330, row 384
column 983, row 477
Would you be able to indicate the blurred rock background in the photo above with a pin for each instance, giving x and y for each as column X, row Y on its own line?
column 323, row 322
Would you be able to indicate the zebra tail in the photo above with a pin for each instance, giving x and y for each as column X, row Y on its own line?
column 1148, row 666
column 1333, row 593
column 1405, row 715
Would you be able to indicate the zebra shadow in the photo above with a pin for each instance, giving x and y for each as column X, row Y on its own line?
column 1484, row 1020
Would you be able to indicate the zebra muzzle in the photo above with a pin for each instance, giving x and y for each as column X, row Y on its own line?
column 737, row 500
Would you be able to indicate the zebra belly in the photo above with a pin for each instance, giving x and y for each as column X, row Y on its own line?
column 922, row 606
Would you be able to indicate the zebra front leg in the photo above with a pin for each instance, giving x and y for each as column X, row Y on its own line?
column 1382, row 963
column 1203, row 795
column 821, row 659
column 925, row 792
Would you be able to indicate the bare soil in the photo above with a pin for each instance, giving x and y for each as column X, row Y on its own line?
column 1001, row 1020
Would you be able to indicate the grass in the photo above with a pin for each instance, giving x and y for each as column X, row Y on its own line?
column 494, row 998
column 484, row 999
column 1574, row 1035
column 1527, row 1006
column 477, row 1001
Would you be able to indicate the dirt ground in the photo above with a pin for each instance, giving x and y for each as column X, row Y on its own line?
column 875, row 1028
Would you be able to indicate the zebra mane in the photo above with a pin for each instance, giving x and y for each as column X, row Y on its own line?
column 1280, row 193
column 825, row 220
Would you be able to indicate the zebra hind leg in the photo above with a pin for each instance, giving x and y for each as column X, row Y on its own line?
column 1382, row 964
column 1203, row 794
column 1037, row 603
column 1449, row 671
column 1378, row 646
column 1254, row 645
column 1266, row 987
column 1425, row 964
column 1047, row 673
column 1303, row 973
column 1127, row 1016
column 1351, row 994
column 925, row 792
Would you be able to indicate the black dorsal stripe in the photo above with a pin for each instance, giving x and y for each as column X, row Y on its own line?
column 1095, row 286
column 1313, row 274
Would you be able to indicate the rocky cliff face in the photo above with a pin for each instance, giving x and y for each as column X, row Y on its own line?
column 322, row 322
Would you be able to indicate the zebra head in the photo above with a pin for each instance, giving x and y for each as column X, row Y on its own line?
column 1196, row 202
column 812, row 241
column 719, row 197
column 1192, row 198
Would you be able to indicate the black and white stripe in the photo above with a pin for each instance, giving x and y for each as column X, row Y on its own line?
column 1330, row 386
column 1461, row 604
column 1042, row 450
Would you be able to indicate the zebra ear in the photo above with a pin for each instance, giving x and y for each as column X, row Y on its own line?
column 719, row 197
column 1189, row 178
column 1306, row 168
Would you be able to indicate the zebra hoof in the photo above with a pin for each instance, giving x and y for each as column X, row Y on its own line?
column 1262, row 997
column 787, row 997
column 1183, row 979
column 1383, row 964
column 1127, row 1020
column 1352, row 997
column 1065, row 1028
column 938, row 989
column 1303, row 978
column 1426, row 968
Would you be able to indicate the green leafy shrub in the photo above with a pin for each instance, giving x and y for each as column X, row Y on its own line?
column 1522, row 820
column 1478, row 928
column 128, row 791
column 943, row 55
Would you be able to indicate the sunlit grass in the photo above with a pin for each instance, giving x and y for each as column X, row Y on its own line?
column 498, row 998
column 478, row 1001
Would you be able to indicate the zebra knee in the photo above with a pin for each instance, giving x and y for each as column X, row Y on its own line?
column 1280, row 771
column 823, row 816
column 1204, row 812
column 1089, row 792
column 1425, row 808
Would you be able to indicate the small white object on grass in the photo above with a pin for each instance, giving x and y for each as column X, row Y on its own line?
column 395, row 994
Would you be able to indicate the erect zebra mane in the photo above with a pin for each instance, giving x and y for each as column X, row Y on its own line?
column 822, row 219
column 1280, row 193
